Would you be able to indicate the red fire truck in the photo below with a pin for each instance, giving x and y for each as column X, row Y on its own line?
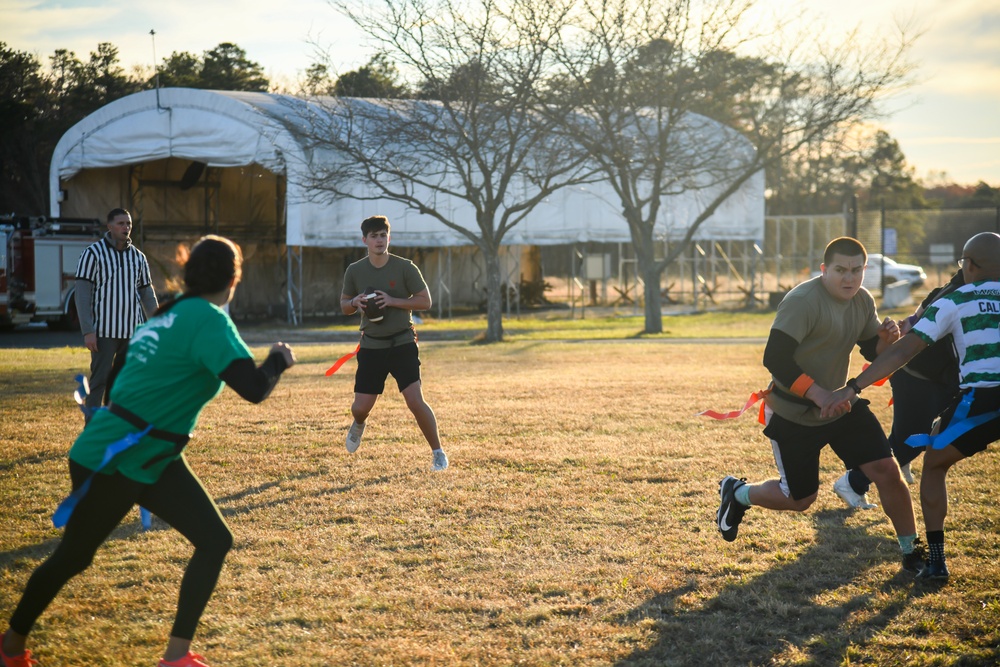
column 38, row 258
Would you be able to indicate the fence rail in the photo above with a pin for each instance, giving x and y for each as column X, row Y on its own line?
column 729, row 273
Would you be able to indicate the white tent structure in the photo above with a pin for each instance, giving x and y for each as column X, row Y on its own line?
column 189, row 161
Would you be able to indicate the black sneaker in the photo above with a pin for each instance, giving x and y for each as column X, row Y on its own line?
column 730, row 512
column 916, row 561
column 935, row 571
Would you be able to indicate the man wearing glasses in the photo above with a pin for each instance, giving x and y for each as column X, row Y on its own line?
column 971, row 314
column 920, row 391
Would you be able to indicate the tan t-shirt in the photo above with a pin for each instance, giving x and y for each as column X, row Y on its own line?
column 827, row 330
column 398, row 278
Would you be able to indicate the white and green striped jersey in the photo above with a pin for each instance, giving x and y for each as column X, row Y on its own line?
column 972, row 315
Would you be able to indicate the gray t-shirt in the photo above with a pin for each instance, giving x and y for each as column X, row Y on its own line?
column 398, row 278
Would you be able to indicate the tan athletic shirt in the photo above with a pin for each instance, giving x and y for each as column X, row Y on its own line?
column 827, row 330
column 399, row 278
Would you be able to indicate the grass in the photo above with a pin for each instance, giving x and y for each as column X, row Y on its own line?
column 599, row 324
column 560, row 324
column 575, row 526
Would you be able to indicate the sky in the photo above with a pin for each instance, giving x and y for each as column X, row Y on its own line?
column 949, row 121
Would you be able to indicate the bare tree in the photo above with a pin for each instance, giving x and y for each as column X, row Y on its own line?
column 472, row 145
column 647, row 75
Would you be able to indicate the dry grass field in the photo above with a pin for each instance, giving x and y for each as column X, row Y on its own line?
column 574, row 527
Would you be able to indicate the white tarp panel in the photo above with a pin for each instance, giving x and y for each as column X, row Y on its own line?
column 228, row 129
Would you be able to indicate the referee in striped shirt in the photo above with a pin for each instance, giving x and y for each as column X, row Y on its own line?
column 112, row 291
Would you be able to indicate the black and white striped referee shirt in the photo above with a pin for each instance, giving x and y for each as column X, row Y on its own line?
column 117, row 276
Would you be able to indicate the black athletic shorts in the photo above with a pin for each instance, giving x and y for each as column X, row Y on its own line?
column 857, row 438
column 975, row 440
column 375, row 365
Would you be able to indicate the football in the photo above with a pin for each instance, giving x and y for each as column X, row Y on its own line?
column 372, row 310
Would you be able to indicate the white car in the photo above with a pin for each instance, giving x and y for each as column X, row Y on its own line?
column 894, row 272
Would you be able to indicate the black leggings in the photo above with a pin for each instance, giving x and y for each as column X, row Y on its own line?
column 177, row 498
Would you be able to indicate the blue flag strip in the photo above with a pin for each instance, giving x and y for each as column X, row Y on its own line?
column 960, row 424
column 81, row 393
column 66, row 507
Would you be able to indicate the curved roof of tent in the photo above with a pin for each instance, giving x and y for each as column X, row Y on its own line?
column 219, row 128
column 232, row 129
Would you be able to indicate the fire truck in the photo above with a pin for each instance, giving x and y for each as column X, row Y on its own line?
column 38, row 258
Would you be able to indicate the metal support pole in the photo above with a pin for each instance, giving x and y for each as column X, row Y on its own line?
column 882, row 248
column 294, row 280
column 444, row 281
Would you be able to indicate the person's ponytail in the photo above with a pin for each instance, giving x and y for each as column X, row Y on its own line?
column 213, row 263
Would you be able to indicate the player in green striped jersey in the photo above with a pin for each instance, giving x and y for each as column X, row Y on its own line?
column 971, row 314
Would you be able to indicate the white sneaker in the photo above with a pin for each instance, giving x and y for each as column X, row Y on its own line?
column 842, row 488
column 907, row 473
column 354, row 437
column 440, row 460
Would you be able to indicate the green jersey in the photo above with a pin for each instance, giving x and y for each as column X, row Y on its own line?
column 171, row 372
column 399, row 278
column 827, row 329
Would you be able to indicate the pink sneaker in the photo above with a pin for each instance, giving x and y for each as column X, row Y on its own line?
column 190, row 660
column 23, row 660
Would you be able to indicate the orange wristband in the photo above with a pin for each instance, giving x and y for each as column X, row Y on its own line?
column 801, row 385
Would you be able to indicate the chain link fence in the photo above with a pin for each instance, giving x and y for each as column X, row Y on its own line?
column 750, row 274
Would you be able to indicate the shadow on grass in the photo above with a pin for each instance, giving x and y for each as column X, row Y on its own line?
column 232, row 505
column 756, row 620
column 31, row 555
column 30, row 460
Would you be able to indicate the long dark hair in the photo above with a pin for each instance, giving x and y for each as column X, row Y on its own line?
column 213, row 262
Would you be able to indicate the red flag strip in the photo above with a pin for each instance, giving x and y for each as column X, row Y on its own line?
column 754, row 397
column 340, row 362
column 880, row 382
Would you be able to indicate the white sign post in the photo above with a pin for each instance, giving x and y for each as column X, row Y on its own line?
column 889, row 241
column 942, row 254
